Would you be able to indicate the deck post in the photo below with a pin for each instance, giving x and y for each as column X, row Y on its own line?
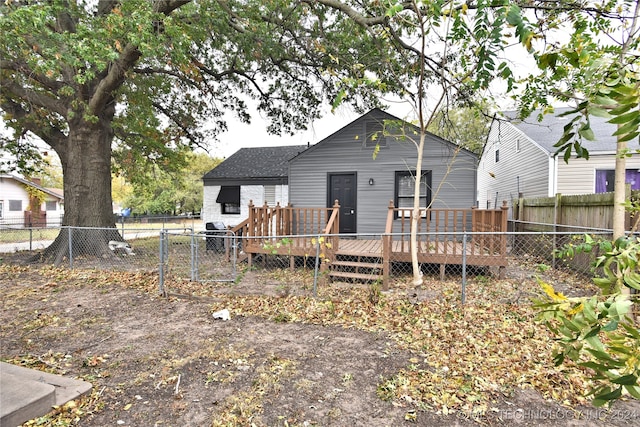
column 250, row 233
column 503, row 239
column 288, row 220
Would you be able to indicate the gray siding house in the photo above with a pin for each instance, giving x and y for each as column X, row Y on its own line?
column 342, row 166
column 519, row 159
column 250, row 174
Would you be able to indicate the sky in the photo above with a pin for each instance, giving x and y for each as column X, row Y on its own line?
column 255, row 134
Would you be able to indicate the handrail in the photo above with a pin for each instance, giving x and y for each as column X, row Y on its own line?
column 239, row 231
column 333, row 220
column 331, row 230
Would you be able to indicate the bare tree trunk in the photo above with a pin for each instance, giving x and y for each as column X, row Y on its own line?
column 86, row 165
column 619, row 196
column 415, row 217
column 619, row 191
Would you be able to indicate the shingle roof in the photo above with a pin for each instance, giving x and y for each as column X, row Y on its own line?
column 58, row 193
column 549, row 131
column 256, row 163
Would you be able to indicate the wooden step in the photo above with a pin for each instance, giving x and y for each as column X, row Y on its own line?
column 356, row 264
column 359, row 276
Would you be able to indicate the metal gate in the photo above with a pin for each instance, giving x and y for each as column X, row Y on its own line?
column 209, row 256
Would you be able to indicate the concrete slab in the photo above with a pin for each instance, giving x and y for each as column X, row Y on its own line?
column 22, row 400
column 28, row 393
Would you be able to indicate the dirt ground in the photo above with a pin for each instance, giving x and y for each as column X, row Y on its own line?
column 157, row 361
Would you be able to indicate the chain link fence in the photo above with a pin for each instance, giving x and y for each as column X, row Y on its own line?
column 185, row 254
column 209, row 256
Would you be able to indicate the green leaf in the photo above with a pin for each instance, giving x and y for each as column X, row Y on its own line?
column 623, row 108
column 593, row 332
column 624, row 118
column 626, row 380
column 632, row 330
column 570, row 325
column 611, row 326
column 587, row 133
column 598, row 367
column 338, row 100
column 594, row 342
column 631, row 126
column 633, row 390
column 514, row 15
column 602, row 356
column 604, row 398
column 628, row 137
column 599, row 112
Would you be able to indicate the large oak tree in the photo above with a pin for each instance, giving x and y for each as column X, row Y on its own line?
column 141, row 82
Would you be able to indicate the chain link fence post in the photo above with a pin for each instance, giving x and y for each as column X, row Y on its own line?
column 464, row 266
column 163, row 237
column 194, row 261
column 70, row 232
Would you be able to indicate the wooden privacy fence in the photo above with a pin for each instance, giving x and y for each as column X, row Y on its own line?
column 560, row 213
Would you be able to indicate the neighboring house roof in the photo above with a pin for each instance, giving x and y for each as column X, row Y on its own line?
column 547, row 132
column 50, row 191
column 252, row 165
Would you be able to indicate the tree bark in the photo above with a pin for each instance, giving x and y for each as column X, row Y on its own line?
column 86, row 163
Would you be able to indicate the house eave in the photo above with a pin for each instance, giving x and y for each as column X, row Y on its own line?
column 279, row 180
column 34, row 185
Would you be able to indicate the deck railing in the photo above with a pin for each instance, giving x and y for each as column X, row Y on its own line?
column 266, row 226
column 433, row 224
column 441, row 234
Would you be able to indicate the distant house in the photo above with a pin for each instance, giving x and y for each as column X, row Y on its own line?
column 250, row 174
column 342, row 167
column 519, row 159
column 15, row 203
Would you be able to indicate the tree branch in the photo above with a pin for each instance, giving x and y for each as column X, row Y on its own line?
column 48, row 133
column 22, row 68
column 115, row 77
column 167, row 112
column 167, row 6
column 16, row 91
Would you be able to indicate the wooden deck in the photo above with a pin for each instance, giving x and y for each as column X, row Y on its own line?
column 447, row 252
column 445, row 236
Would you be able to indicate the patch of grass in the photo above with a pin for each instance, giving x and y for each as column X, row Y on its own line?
column 242, row 408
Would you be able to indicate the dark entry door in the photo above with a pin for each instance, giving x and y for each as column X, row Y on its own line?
column 342, row 186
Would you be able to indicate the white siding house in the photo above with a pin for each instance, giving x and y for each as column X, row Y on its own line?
column 250, row 174
column 519, row 159
column 14, row 202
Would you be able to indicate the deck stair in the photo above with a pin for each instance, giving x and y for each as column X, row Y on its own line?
column 356, row 268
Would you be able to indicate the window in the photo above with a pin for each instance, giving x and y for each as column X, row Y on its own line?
column 270, row 194
column 518, row 145
column 229, row 199
column 605, row 180
column 374, row 134
column 1, row 207
column 497, row 155
column 51, row 205
column 405, row 185
column 15, row 205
